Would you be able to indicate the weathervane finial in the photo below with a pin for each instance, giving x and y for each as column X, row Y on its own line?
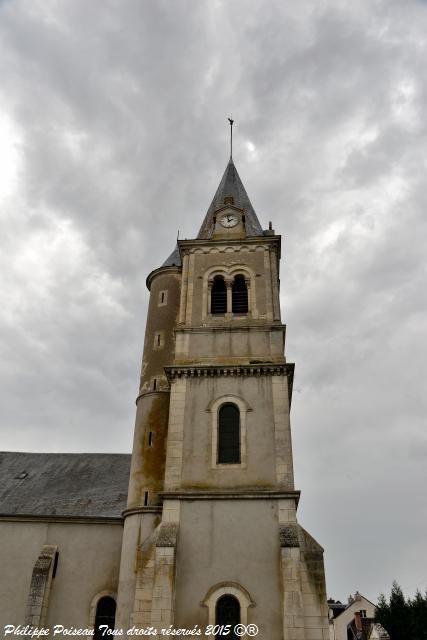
column 231, row 121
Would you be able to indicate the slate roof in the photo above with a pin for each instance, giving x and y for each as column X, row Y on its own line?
column 174, row 259
column 231, row 185
column 336, row 607
column 64, row 484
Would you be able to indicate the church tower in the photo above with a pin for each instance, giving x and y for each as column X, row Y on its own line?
column 210, row 533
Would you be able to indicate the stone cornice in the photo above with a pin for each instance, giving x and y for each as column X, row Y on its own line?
column 206, row 244
column 205, row 371
column 215, row 494
column 155, row 272
column 232, row 328
column 149, row 509
column 230, row 494
column 150, row 392
column 231, row 371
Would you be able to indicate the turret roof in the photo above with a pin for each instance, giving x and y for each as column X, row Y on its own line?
column 174, row 260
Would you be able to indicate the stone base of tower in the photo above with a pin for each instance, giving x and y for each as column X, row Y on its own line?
column 247, row 546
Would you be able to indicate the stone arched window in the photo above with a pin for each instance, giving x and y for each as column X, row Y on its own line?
column 228, row 603
column 105, row 615
column 229, row 434
column 218, row 295
column 214, row 408
column 240, row 295
column 227, row 611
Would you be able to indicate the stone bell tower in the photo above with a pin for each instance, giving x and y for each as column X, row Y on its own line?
column 211, row 534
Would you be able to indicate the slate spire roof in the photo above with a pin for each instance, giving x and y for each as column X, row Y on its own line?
column 231, row 185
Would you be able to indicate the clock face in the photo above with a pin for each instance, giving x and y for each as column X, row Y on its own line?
column 229, row 220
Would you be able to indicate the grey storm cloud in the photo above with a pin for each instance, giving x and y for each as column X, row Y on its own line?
column 114, row 136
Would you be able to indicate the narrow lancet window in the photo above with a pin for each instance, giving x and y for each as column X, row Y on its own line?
column 105, row 615
column 240, row 295
column 227, row 611
column 229, row 435
column 219, row 296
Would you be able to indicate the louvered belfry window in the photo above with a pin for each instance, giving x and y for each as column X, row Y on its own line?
column 227, row 611
column 229, row 434
column 105, row 615
column 218, row 296
column 240, row 295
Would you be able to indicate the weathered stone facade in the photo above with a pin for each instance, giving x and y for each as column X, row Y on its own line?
column 199, row 529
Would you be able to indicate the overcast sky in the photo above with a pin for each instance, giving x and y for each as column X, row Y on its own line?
column 113, row 135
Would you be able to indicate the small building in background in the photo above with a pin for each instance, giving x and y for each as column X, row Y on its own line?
column 354, row 620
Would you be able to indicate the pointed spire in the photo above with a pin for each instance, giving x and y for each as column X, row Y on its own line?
column 231, row 185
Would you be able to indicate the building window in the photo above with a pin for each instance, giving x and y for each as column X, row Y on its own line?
column 218, row 411
column 227, row 611
column 363, row 613
column 55, row 564
column 240, row 295
column 105, row 616
column 219, row 296
column 163, row 298
column 159, row 340
column 228, row 434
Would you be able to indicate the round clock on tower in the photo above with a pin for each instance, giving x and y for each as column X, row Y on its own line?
column 229, row 220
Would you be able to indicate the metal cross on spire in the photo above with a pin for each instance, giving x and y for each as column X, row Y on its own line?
column 231, row 121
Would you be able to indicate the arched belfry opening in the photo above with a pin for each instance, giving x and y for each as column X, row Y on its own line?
column 227, row 611
column 229, row 434
column 219, row 295
column 240, row 295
